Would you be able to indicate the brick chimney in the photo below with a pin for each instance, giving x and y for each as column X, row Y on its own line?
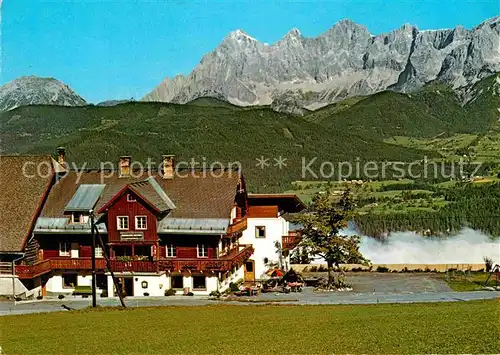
column 125, row 161
column 168, row 166
column 61, row 155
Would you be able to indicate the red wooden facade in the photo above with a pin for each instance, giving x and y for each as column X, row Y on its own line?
column 236, row 256
column 131, row 206
column 134, row 249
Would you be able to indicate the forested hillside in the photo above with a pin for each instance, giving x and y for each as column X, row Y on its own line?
column 466, row 205
column 207, row 128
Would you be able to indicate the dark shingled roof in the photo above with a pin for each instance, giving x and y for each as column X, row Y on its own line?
column 289, row 203
column 196, row 195
column 22, row 194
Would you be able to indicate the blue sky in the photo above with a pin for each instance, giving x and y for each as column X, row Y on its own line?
column 122, row 49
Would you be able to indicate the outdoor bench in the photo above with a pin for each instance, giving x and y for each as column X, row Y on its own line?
column 82, row 290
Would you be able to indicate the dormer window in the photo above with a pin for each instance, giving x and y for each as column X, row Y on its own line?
column 77, row 217
column 130, row 198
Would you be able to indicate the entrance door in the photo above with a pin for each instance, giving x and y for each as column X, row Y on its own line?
column 128, row 286
column 249, row 271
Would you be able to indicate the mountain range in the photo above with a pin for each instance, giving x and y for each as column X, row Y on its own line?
column 299, row 73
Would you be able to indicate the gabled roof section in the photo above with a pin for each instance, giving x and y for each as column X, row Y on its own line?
column 25, row 183
column 85, row 198
column 149, row 191
column 196, row 195
column 154, row 194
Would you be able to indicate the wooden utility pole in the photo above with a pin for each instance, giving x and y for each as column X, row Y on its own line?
column 94, row 284
column 108, row 265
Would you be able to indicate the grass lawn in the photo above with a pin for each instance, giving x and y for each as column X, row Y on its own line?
column 474, row 282
column 458, row 327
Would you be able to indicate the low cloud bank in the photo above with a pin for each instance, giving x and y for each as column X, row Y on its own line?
column 466, row 247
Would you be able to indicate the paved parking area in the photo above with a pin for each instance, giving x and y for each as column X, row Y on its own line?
column 396, row 282
column 369, row 288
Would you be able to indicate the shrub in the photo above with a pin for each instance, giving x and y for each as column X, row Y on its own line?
column 488, row 263
column 170, row 292
column 60, row 297
column 146, row 294
column 190, row 294
column 39, row 297
column 234, row 287
column 314, row 268
column 305, row 269
column 104, row 293
column 215, row 294
column 321, row 268
column 382, row 269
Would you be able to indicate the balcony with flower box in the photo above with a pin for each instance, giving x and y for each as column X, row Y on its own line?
column 234, row 258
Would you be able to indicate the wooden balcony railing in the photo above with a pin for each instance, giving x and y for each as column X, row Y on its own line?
column 238, row 225
column 225, row 263
column 77, row 264
column 291, row 240
column 194, row 264
column 134, row 266
column 31, row 271
column 235, row 257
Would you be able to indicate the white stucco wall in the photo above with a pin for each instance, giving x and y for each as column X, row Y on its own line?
column 85, row 280
column 158, row 284
column 211, row 283
column 9, row 281
column 264, row 247
column 55, row 285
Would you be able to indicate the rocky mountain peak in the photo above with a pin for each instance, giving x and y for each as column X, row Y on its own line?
column 293, row 37
column 345, row 61
column 34, row 90
column 240, row 36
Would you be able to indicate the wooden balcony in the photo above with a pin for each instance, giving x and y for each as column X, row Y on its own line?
column 234, row 258
column 225, row 263
column 134, row 266
column 76, row 264
column 31, row 271
column 291, row 240
column 238, row 225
